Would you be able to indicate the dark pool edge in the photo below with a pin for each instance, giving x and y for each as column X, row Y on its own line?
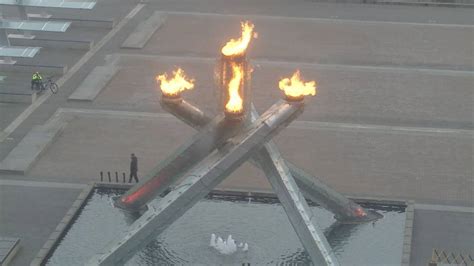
column 61, row 229
column 54, row 238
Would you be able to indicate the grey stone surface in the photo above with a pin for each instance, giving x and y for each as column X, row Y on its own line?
column 9, row 246
column 316, row 40
column 8, row 97
column 94, row 83
column 25, row 154
column 9, row 111
column 397, row 96
column 32, row 213
column 144, row 31
column 446, row 230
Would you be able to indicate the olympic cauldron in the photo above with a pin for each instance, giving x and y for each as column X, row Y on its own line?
column 223, row 143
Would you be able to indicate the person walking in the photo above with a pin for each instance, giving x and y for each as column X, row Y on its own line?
column 133, row 168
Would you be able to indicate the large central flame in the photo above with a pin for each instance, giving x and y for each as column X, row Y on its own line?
column 175, row 85
column 238, row 47
column 235, row 103
column 296, row 88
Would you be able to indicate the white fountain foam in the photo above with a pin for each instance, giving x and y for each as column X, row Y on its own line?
column 228, row 246
column 213, row 241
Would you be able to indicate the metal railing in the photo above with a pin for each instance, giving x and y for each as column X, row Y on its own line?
column 109, row 177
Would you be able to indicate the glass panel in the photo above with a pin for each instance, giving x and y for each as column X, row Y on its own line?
column 19, row 51
column 49, row 3
column 35, row 25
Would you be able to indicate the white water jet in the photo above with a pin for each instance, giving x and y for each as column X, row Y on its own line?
column 213, row 240
column 228, row 246
column 220, row 245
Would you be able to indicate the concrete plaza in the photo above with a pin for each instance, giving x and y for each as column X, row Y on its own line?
column 393, row 117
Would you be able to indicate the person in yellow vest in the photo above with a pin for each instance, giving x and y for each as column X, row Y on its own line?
column 36, row 81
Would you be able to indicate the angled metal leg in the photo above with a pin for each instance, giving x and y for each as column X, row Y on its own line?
column 299, row 214
column 200, row 180
column 345, row 210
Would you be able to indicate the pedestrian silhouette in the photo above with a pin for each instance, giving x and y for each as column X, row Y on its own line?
column 133, row 168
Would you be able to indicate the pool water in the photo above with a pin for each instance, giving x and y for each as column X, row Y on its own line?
column 262, row 223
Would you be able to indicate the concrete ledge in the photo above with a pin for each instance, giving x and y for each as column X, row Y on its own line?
column 99, row 23
column 8, row 248
column 7, row 61
column 10, row 97
column 144, row 31
column 51, row 43
column 30, row 148
column 379, row 200
column 39, row 16
column 62, row 227
column 97, row 79
column 49, row 69
column 21, row 36
column 408, row 233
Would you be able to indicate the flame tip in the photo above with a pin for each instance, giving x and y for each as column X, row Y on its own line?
column 296, row 88
column 239, row 46
column 175, row 85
